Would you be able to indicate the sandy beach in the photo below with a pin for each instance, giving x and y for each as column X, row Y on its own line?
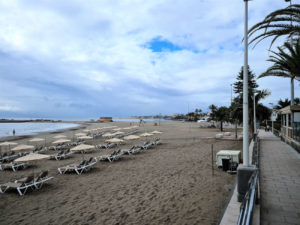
column 171, row 183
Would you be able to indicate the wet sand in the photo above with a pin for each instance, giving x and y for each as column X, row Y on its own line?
column 169, row 184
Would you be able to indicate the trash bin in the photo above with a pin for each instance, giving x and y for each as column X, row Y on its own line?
column 225, row 164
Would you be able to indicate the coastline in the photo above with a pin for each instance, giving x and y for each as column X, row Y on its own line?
column 81, row 125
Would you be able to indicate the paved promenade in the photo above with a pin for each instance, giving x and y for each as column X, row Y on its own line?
column 279, row 180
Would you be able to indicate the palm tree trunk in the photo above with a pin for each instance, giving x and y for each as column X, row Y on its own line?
column 292, row 91
column 292, row 99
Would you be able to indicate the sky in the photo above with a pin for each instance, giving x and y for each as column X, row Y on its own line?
column 86, row 59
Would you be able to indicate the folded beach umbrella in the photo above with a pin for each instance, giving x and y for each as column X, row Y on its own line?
column 156, row 132
column 82, row 148
column 23, row 148
column 59, row 136
column 61, row 141
column 131, row 137
column 114, row 140
column 84, row 138
column 32, row 157
column 80, row 134
column 146, row 134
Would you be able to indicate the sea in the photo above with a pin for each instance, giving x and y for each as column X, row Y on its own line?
column 29, row 128
column 137, row 120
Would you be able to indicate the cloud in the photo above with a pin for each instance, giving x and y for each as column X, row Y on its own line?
column 72, row 59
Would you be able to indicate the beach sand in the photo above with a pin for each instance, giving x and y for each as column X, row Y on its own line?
column 169, row 184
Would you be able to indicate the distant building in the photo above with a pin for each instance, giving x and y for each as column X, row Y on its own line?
column 290, row 132
column 105, row 119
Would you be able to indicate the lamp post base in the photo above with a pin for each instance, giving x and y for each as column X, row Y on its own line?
column 243, row 175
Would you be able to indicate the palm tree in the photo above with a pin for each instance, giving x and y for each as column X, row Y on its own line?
column 286, row 102
column 283, row 22
column 219, row 114
column 262, row 111
column 286, row 64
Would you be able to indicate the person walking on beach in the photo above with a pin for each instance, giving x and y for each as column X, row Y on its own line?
column 14, row 132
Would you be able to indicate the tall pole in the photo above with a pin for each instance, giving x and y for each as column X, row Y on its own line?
column 272, row 117
column 254, row 116
column 231, row 94
column 245, row 93
column 292, row 80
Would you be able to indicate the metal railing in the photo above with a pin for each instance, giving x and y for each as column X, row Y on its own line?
column 247, row 205
column 246, row 209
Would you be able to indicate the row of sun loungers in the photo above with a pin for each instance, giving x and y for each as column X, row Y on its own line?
column 10, row 156
column 112, row 157
column 23, row 184
column 31, row 182
column 63, row 154
column 13, row 166
column 127, row 133
column 106, row 146
column 83, row 166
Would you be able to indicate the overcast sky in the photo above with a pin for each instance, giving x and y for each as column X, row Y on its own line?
column 80, row 59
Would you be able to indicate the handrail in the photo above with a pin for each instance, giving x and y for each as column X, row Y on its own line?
column 247, row 205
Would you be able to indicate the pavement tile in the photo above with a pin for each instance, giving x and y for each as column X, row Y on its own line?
column 279, row 181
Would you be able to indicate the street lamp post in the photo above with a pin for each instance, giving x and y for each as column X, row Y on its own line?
column 254, row 116
column 245, row 92
column 292, row 80
column 245, row 171
column 272, row 117
column 231, row 94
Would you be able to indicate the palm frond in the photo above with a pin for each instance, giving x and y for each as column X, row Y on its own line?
column 277, row 24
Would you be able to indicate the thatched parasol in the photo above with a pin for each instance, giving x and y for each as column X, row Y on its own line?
column 23, row 148
column 117, row 129
column 80, row 134
column 118, row 132
column 61, row 141
column 156, row 132
column 146, row 134
column 82, row 148
column 32, row 157
column 59, row 136
column 8, row 143
column 131, row 137
column 84, row 138
column 114, row 140
column 107, row 135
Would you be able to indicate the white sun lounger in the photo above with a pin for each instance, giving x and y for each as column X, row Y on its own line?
column 112, row 157
column 157, row 141
column 21, row 186
column 84, row 166
column 41, row 179
column 13, row 166
column 134, row 150
column 61, row 155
